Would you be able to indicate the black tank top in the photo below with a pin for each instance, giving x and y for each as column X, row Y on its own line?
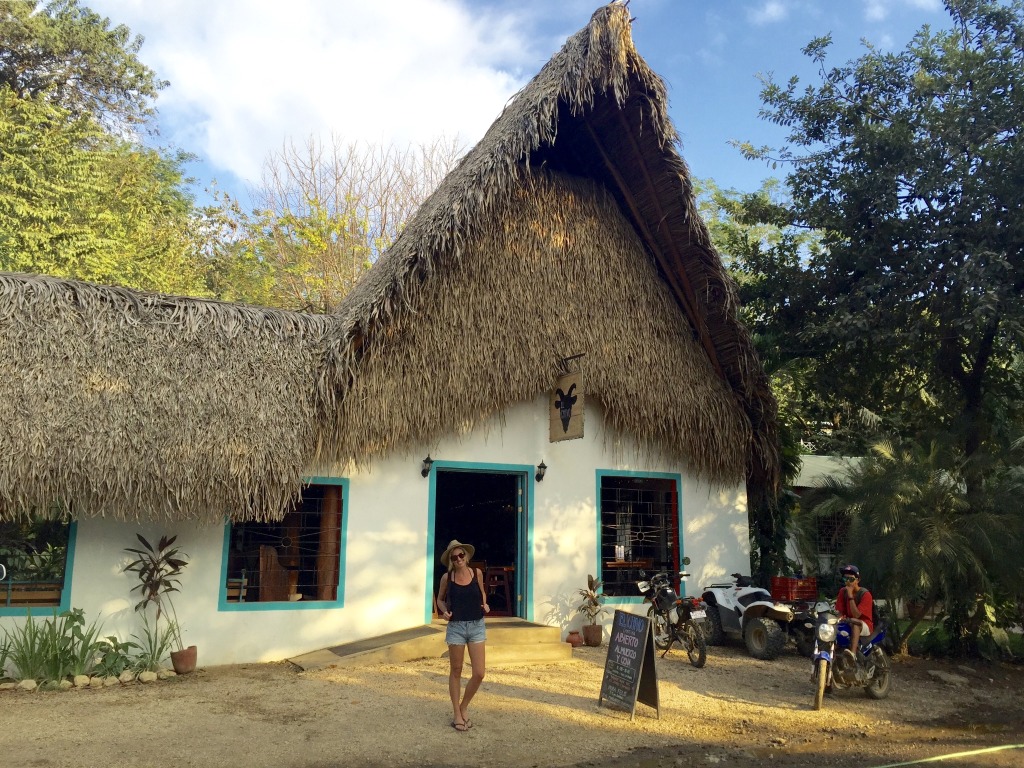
column 465, row 602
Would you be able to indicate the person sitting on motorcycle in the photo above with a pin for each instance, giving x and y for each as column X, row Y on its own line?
column 855, row 603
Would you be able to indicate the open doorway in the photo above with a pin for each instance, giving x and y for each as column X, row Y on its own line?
column 483, row 509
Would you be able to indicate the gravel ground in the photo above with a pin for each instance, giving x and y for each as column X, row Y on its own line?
column 734, row 712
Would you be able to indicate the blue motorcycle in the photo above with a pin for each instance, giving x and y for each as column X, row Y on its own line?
column 837, row 665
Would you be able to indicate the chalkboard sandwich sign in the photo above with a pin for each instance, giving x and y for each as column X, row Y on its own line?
column 629, row 674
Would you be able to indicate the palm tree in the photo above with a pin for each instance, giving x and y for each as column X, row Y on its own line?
column 913, row 533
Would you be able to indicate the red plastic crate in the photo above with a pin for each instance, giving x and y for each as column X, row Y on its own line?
column 792, row 588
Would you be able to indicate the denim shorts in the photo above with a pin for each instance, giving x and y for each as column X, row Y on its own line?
column 462, row 632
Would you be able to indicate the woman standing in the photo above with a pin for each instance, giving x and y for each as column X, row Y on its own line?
column 462, row 601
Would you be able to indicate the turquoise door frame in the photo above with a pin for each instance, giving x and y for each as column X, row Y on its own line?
column 524, row 529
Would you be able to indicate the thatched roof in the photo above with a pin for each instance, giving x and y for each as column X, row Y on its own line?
column 141, row 405
column 596, row 111
column 570, row 229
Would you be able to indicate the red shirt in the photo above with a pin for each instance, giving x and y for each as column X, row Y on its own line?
column 864, row 604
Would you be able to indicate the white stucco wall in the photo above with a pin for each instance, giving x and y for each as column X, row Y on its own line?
column 387, row 511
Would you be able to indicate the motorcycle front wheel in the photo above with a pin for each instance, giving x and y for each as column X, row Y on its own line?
column 820, row 675
column 659, row 625
column 693, row 641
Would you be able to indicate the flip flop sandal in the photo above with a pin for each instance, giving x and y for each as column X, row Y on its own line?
column 460, row 727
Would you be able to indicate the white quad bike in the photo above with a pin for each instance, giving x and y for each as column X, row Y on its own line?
column 738, row 609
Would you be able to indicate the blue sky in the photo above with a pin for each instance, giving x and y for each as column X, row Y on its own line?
column 247, row 75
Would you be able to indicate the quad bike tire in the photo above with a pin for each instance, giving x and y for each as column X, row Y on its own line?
column 820, row 673
column 764, row 638
column 659, row 625
column 694, row 643
column 715, row 633
column 881, row 683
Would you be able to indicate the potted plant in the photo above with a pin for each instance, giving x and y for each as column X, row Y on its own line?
column 158, row 569
column 592, row 607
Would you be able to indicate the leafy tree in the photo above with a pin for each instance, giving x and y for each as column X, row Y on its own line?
column 79, row 196
column 749, row 229
column 68, row 55
column 909, row 165
column 78, row 202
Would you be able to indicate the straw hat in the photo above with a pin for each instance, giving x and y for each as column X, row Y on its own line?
column 446, row 555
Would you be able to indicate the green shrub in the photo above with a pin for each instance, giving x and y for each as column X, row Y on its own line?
column 114, row 656
column 154, row 645
column 35, row 650
column 51, row 650
column 5, row 653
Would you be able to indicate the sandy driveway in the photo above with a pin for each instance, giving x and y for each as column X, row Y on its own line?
column 734, row 712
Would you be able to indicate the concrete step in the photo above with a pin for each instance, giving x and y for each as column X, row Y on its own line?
column 527, row 653
column 509, row 641
column 515, row 641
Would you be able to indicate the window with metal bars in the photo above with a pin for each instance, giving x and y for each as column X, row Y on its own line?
column 295, row 559
column 34, row 560
column 639, row 530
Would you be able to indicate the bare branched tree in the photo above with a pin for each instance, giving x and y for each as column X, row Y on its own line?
column 324, row 212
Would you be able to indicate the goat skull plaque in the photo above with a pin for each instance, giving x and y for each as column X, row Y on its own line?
column 566, row 409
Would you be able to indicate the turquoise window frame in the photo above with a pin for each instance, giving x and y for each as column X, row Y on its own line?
column 603, row 473
column 529, row 490
column 65, row 592
column 299, row 605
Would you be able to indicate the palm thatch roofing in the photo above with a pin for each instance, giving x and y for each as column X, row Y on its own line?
column 570, row 229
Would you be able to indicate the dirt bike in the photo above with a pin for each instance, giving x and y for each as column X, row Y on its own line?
column 674, row 618
column 739, row 608
column 837, row 665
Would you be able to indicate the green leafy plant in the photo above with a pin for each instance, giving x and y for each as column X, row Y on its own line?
column 114, row 656
column 50, row 650
column 5, row 653
column 593, row 600
column 154, row 645
column 158, row 569
column 79, row 642
column 28, row 650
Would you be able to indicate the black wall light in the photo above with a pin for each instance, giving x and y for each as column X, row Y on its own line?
column 542, row 470
column 427, row 463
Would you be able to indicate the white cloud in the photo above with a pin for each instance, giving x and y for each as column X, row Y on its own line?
column 768, row 12
column 879, row 10
column 876, row 10
column 247, row 74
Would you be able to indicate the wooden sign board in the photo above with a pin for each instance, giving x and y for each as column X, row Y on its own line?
column 629, row 673
column 565, row 409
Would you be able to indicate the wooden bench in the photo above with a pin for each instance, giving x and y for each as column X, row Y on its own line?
column 26, row 594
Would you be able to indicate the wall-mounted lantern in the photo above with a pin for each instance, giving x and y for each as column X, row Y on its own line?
column 542, row 470
column 427, row 463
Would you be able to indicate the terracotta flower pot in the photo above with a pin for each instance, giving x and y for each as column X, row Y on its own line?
column 592, row 634
column 184, row 661
column 574, row 638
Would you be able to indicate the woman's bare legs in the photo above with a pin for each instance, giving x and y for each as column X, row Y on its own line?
column 456, row 655
column 477, row 659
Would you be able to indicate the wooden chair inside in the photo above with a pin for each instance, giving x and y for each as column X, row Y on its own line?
column 237, row 588
column 277, row 583
column 481, row 564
